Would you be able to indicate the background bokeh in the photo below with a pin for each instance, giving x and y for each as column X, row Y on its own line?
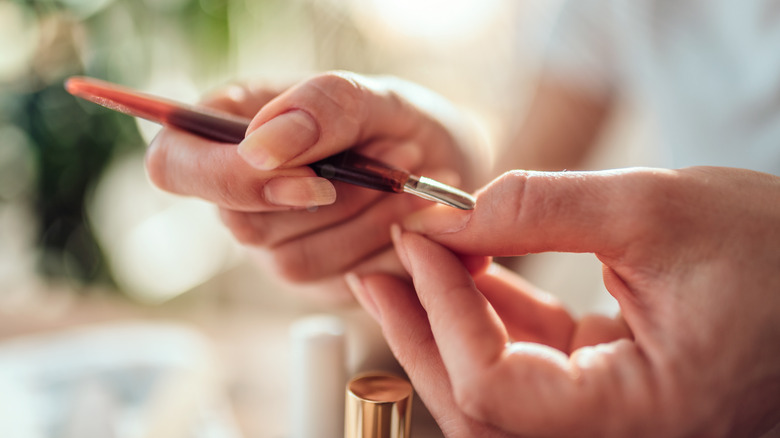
column 57, row 150
column 87, row 242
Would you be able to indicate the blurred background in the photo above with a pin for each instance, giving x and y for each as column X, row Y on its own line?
column 125, row 311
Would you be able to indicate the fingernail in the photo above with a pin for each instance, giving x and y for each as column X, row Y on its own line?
column 365, row 298
column 279, row 140
column 395, row 234
column 299, row 191
column 438, row 219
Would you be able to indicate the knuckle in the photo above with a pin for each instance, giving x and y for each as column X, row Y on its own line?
column 257, row 232
column 235, row 190
column 342, row 89
column 247, row 228
column 507, row 193
column 294, row 262
column 227, row 186
column 512, row 183
column 648, row 202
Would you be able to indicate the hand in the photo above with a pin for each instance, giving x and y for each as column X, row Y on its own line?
column 691, row 257
column 312, row 229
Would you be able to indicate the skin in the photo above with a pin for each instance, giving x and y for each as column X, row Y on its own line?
column 308, row 232
column 694, row 354
column 305, row 229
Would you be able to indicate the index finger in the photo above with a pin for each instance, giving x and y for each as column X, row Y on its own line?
column 456, row 308
column 334, row 111
column 185, row 164
column 524, row 212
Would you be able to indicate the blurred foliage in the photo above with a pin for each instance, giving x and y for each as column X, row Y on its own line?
column 190, row 44
column 72, row 145
column 73, row 141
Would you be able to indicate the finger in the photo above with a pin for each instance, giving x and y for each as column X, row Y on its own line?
column 184, row 164
column 340, row 247
column 405, row 327
column 529, row 314
column 269, row 229
column 619, row 215
column 327, row 114
column 262, row 229
column 218, row 174
column 527, row 212
column 469, row 334
column 242, row 99
column 598, row 329
column 476, row 265
column 536, row 389
column 386, row 262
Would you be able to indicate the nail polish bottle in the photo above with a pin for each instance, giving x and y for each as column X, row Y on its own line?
column 378, row 405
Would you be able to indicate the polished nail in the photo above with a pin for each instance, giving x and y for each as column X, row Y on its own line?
column 299, row 191
column 279, row 140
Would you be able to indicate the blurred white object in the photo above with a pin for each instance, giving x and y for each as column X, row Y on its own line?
column 444, row 21
column 127, row 380
column 158, row 245
column 19, row 33
column 318, row 372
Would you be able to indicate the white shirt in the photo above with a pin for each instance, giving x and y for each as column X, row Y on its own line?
column 707, row 70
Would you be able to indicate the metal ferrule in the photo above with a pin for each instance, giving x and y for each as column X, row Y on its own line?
column 435, row 191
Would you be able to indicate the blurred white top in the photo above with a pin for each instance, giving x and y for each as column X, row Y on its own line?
column 708, row 72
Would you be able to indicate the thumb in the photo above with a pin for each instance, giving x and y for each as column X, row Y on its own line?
column 329, row 113
column 525, row 212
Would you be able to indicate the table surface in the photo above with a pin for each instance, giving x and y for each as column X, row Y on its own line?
column 246, row 326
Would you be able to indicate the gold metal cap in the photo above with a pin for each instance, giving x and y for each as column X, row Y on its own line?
column 379, row 405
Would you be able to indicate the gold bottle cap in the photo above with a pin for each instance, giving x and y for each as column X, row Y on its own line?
column 379, row 405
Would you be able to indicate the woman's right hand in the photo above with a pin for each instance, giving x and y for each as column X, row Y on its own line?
column 312, row 230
